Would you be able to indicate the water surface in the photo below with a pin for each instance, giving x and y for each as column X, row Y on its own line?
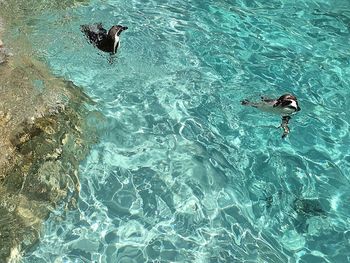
column 182, row 172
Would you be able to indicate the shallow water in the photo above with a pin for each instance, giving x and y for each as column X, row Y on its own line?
column 182, row 172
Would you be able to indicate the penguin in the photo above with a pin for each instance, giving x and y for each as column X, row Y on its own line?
column 285, row 106
column 103, row 40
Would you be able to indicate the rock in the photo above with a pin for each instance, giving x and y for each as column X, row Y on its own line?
column 42, row 140
column 308, row 207
column 4, row 54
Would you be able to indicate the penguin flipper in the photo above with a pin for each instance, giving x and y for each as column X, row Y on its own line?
column 89, row 33
column 97, row 28
column 100, row 28
column 95, row 32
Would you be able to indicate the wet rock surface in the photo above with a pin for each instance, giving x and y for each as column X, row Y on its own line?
column 3, row 51
column 42, row 141
column 308, row 207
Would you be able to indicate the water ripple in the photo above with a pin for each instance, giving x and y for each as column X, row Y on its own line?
column 182, row 172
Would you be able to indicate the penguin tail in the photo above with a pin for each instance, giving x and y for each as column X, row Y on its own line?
column 84, row 28
column 245, row 102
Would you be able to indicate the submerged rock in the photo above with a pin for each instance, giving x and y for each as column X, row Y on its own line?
column 4, row 54
column 308, row 207
column 306, row 210
column 42, row 140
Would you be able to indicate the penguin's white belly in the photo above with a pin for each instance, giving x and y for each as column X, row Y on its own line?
column 116, row 42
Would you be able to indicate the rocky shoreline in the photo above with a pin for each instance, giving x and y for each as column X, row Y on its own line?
column 3, row 53
column 42, row 140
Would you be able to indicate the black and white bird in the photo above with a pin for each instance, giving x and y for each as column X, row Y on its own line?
column 103, row 40
column 286, row 106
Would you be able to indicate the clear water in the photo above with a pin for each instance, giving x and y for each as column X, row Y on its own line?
column 182, row 172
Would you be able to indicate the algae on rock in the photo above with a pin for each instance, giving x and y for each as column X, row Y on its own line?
column 42, row 139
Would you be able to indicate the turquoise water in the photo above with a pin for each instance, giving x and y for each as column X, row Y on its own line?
column 182, row 172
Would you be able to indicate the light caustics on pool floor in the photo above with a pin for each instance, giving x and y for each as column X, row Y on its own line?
column 182, row 172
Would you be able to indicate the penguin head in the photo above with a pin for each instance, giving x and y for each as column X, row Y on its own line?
column 288, row 101
column 116, row 30
column 287, row 97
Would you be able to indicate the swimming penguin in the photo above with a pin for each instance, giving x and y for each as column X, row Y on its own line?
column 286, row 105
column 103, row 40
